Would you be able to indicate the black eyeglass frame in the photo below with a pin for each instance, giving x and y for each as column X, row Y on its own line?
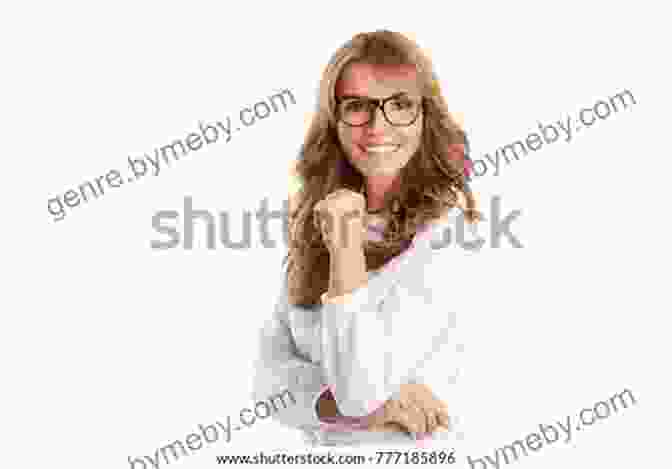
column 379, row 104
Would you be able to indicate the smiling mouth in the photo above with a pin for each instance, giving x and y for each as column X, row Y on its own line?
column 379, row 149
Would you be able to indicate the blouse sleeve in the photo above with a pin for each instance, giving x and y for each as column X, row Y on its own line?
column 369, row 345
column 290, row 383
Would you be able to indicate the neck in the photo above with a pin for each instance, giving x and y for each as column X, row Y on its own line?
column 376, row 189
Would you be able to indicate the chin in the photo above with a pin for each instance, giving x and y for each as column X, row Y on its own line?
column 378, row 171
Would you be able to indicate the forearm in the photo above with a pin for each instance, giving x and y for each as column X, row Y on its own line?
column 347, row 271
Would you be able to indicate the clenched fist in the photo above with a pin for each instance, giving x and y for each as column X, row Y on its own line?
column 340, row 217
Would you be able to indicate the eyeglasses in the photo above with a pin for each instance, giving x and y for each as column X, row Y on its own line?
column 399, row 110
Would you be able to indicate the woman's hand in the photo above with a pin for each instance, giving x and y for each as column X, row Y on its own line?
column 417, row 410
column 340, row 217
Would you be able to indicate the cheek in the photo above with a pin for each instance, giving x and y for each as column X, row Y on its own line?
column 413, row 137
column 350, row 138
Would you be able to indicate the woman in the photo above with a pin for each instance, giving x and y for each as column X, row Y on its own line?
column 382, row 170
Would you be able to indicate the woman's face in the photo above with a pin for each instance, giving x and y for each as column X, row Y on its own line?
column 380, row 148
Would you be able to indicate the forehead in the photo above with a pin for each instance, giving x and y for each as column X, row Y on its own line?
column 377, row 81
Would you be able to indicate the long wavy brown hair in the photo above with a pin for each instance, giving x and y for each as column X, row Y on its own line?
column 432, row 182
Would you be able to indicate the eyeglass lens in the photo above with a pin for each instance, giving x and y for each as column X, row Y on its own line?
column 398, row 111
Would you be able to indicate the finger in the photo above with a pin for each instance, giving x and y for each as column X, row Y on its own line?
column 426, row 411
column 346, row 193
column 427, row 396
column 388, row 427
column 394, row 426
column 434, row 402
column 432, row 421
column 441, row 405
column 426, row 392
column 405, row 401
column 419, row 395
column 375, row 425
column 324, row 227
column 335, row 193
column 405, row 421
column 419, row 414
column 416, row 391
column 440, row 414
column 417, row 418
column 444, row 420
column 395, row 411
column 438, row 406
column 432, row 407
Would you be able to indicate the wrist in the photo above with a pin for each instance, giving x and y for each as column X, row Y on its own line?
column 347, row 259
column 347, row 236
column 353, row 248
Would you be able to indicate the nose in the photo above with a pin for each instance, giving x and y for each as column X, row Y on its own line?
column 378, row 122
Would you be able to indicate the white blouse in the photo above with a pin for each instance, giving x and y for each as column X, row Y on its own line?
column 361, row 346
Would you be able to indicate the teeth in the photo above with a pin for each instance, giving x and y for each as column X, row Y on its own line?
column 381, row 148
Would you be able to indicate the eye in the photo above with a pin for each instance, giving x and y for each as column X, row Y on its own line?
column 355, row 105
column 402, row 104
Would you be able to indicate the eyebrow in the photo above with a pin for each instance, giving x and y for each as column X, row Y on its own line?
column 356, row 96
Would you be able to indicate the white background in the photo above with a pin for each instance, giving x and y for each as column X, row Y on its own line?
column 110, row 349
